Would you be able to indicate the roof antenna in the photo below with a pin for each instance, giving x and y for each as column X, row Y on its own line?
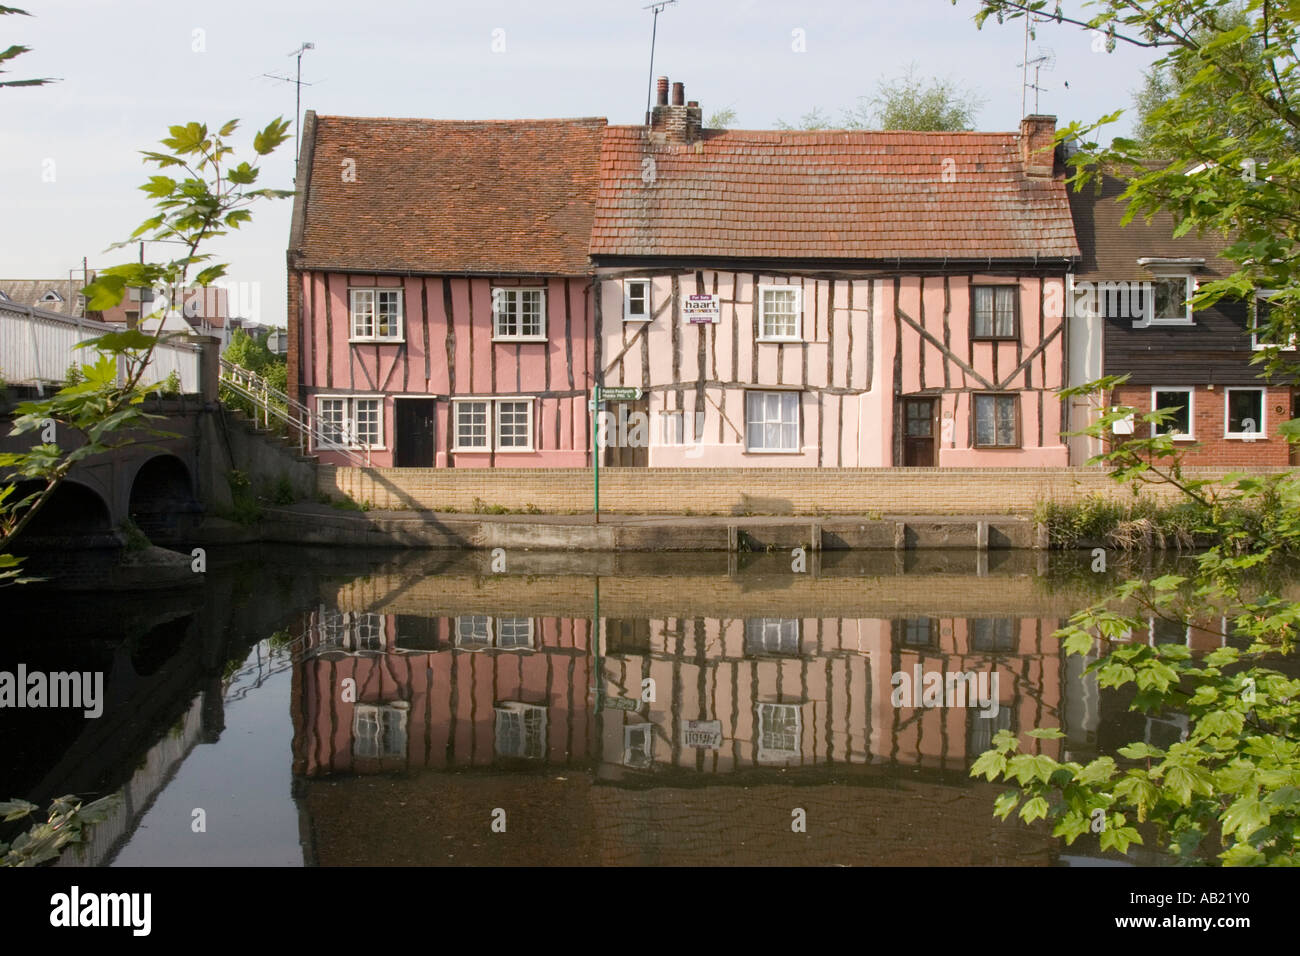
column 1045, row 60
column 297, row 97
column 657, row 7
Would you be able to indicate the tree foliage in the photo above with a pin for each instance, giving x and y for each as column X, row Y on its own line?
column 211, row 197
column 1229, row 791
column 905, row 102
column 15, row 50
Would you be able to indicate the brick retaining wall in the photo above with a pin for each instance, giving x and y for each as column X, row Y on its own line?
column 931, row 491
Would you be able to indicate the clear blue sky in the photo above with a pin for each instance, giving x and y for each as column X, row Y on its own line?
column 130, row 68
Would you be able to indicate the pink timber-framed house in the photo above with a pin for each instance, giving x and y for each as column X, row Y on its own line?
column 819, row 298
column 879, row 298
column 440, row 292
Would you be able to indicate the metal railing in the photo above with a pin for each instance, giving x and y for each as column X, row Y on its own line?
column 36, row 348
column 269, row 403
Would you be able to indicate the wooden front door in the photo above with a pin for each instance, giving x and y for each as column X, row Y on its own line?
column 918, row 432
column 414, row 433
column 628, row 435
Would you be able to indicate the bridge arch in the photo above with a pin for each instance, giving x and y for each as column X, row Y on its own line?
column 161, row 492
column 73, row 509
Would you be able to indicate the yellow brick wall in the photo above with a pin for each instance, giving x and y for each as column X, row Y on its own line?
column 729, row 491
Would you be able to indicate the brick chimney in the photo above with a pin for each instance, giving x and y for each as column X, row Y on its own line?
column 678, row 122
column 1037, row 150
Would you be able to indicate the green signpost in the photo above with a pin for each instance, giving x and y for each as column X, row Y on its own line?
column 618, row 393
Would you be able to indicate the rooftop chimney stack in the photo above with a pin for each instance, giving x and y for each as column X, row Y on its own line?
column 1037, row 149
column 678, row 122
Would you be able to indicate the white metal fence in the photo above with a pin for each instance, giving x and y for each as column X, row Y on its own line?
column 36, row 348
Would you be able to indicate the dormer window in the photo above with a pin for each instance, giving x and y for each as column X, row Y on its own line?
column 51, row 297
column 1168, row 303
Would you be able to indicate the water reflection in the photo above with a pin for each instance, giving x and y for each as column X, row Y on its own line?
column 617, row 710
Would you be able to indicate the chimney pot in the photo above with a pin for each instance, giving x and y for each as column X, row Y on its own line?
column 679, row 94
column 662, row 91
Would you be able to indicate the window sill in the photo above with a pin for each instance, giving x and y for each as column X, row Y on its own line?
column 768, row 340
column 636, row 318
column 760, row 451
column 1252, row 437
column 995, row 338
column 519, row 338
column 997, row 447
column 1163, row 323
column 470, row 451
column 378, row 340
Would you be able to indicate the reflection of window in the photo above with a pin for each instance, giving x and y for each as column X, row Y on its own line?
column 638, row 745
column 351, row 631
column 627, row 635
column 1164, row 631
column 475, row 632
column 915, row 631
column 772, row 635
column 416, row 633
column 520, row 730
column 1260, row 334
column 379, row 730
column 514, row 632
column 1165, row 731
column 1180, row 422
column 983, row 728
column 993, row 634
column 1245, row 412
column 780, row 727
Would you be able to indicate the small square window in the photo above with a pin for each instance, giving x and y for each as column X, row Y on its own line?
column 379, row 730
column 1168, row 301
column 473, row 632
column 636, row 300
column 1245, row 413
column 914, row 632
column 1260, row 333
column 519, row 314
column 995, row 312
column 514, row 426
column 772, row 421
column 1180, row 423
column 674, row 427
column 376, row 314
column 520, row 730
column 993, row 634
column 638, row 745
column 780, row 730
column 472, row 426
column 772, row 635
column 997, row 421
column 348, row 422
column 780, row 314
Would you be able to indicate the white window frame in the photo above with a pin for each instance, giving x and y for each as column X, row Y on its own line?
column 349, row 421
column 1263, row 413
column 1254, row 325
column 385, row 744
column 487, row 424
column 493, row 444
column 521, row 711
column 778, row 753
column 798, row 422
column 497, row 404
column 1151, row 632
column 473, row 620
column 766, row 290
column 499, row 295
column 768, row 635
column 1189, row 290
column 645, row 730
column 1191, row 409
column 627, row 300
column 530, row 632
column 398, row 335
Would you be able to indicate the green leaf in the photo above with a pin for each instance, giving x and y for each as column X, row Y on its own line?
column 1034, row 809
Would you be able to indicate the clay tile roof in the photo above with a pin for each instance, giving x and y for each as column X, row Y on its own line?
column 827, row 194
column 509, row 196
column 1110, row 252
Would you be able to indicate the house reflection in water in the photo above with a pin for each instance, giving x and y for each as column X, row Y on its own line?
column 681, row 737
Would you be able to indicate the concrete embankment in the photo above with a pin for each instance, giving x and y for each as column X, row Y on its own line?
column 323, row 525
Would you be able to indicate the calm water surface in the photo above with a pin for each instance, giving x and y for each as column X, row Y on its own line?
column 306, row 706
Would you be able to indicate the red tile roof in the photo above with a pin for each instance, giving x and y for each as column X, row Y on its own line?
column 827, row 194
column 511, row 196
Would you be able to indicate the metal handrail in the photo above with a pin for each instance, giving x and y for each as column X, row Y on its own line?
column 273, row 403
